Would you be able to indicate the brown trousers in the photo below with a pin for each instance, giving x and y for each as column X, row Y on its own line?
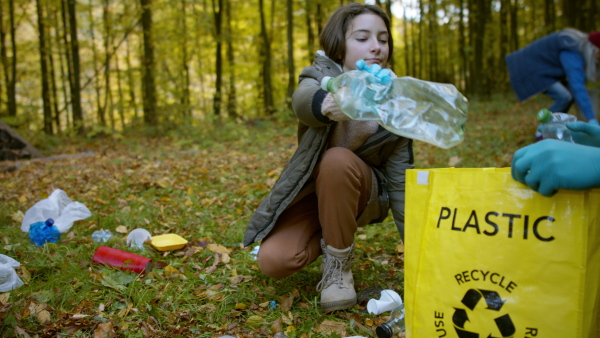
column 342, row 190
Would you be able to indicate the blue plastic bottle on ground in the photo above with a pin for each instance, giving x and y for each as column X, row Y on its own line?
column 426, row 111
column 41, row 233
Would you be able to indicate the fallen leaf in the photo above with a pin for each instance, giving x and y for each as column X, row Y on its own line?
column 400, row 248
column 289, row 319
column 21, row 332
column 4, row 298
column 454, row 160
column 254, row 320
column 79, row 316
column 286, row 303
column 217, row 248
column 329, row 327
column 104, row 330
column 239, row 279
column 121, row 229
column 241, row 306
column 43, row 317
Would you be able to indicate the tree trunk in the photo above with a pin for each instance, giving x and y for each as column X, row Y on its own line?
column 232, row 97
column 462, row 46
column 131, row 81
column 44, row 71
column 290, row 53
column 76, row 86
column 185, row 95
column 550, row 16
column 149, row 89
column 514, row 28
column 99, row 108
column 266, row 63
column 9, row 66
column 310, row 36
column 107, row 106
column 218, row 59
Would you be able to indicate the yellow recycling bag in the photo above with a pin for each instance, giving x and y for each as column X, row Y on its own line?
column 486, row 256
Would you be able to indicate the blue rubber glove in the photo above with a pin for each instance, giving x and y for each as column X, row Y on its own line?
column 585, row 133
column 593, row 122
column 549, row 165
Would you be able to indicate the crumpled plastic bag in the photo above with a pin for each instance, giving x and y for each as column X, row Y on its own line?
column 9, row 279
column 59, row 207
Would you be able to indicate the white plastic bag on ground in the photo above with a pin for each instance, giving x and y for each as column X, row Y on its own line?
column 9, row 279
column 59, row 207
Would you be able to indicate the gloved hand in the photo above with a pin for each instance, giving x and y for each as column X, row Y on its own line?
column 549, row 165
column 585, row 133
column 593, row 122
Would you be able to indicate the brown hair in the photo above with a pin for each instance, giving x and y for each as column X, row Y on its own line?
column 333, row 36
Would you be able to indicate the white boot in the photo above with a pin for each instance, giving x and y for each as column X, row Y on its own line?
column 337, row 284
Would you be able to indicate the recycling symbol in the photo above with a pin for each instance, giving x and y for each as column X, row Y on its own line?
column 494, row 303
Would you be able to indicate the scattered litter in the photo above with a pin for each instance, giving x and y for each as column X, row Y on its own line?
column 137, row 238
column 168, row 242
column 9, row 279
column 122, row 259
column 254, row 251
column 60, row 208
column 273, row 304
column 389, row 300
column 41, row 233
column 101, row 236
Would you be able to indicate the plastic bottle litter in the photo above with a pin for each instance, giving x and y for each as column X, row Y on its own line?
column 101, row 236
column 426, row 111
column 122, row 259
column 137, row 238
column 9, row 279
column 394, row 325
column 41, row 233
column 554, row 125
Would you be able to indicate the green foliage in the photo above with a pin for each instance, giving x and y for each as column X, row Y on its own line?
column 201, row 181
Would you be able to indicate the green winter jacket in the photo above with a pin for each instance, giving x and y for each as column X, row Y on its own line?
column 389, row 155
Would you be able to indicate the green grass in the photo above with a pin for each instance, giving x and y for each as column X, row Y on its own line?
column 203, row 183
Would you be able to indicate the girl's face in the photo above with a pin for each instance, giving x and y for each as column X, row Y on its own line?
column 366, row 39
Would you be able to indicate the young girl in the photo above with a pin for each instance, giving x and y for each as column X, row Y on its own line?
column 344, row 173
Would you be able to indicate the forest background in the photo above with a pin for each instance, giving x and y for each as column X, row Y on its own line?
column 106, row 66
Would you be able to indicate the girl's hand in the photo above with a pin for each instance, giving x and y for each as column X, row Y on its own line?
column 330, row 109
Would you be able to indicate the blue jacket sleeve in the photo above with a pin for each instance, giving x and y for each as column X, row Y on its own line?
column 573, row 65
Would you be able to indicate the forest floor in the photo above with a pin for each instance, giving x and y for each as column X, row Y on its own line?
column 202, row 183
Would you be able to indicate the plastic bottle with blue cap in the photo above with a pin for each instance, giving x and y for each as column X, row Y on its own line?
column 41, row 233
column 426, row 111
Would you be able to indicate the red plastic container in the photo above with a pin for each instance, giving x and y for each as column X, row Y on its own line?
column 122, row 259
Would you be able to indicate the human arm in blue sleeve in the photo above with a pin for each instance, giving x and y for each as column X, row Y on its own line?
column 574, row 67
column 549, row 165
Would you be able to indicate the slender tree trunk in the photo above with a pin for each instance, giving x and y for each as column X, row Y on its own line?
column 69, row 63
column 266, row 63
column 514, row 26
column 131, row 81
column 149, row 89
column 120, row 91
column 407, row 58
column 44, row 70
column 76, row 88
column 99, row 108
column 185, row 95
column 290, row 53
column 310, row 36
column 107, row 61
column 462, row 45
column 421, row 28
column 9, row 66
column 218, row 59
column 53, row 87
column 550, row 16
column 232, row 97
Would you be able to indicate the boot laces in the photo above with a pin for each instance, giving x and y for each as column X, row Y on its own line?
column 332, row 272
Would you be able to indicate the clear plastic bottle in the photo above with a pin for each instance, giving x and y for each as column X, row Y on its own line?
column 394, row 326
column 101, row 236
column 554, row 125
column 426, row 111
